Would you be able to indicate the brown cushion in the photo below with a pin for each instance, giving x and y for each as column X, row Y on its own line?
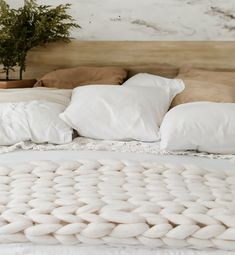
column 227, row 78
column 202, row 85
column 73, row 77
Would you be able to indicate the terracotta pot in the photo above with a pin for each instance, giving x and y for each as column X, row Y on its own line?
column 17, row 84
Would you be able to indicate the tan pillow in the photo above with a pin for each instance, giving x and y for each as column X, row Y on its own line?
column 73, row 77
column 227, row 78
column 203, row 85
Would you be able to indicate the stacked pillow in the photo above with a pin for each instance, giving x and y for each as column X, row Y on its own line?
column 202, row 117
column 208, row 124
column 33, row 114
column 133, row 111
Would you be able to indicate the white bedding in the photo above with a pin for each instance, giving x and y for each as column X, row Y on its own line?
column 24, row 156
column 86, row 144
column 29, row 249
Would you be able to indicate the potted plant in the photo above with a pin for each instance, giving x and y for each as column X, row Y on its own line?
column 27, row 27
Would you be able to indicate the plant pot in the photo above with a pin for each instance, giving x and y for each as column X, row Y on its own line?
column 11, row 84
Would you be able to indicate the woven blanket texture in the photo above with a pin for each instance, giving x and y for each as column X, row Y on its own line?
column 117, row 203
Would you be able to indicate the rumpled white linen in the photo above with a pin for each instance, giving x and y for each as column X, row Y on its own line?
column 81, row 143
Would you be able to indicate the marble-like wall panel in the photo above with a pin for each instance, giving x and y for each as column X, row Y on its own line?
column 151, row 19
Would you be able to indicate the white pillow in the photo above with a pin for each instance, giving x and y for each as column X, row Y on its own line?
column 202, row 126
column 117, row 112
column 174, row 86
column 37, row 121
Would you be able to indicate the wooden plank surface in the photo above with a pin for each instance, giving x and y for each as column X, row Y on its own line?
column 163, row 58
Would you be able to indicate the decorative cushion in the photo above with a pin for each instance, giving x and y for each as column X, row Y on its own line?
column 227, row 78
column 73, row 77
column 201, row 85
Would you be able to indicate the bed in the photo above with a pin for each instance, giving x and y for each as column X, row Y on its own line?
column 94, row 196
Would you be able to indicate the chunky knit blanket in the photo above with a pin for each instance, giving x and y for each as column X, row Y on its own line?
column 117, row 203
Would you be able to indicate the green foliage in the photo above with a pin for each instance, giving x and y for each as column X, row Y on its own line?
column 30, row 26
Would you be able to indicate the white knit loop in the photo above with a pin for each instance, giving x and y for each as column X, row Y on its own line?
column 45, row 239
column 71, row 229
column 224, row 244
column 121, row 217
column 41, row 218
column 66, row 209
column 13, row 238
column 89, row 241
column 200, row 243
column 98, row 230
column 228, row 234
column 18, row 208
column 154, row 219
column 176, row 243
column 15, row 227
column 203, row 219
column 129, row 230
column 147, row 207
column 11, row 216
column 118, row 207
column 209, row 232
column 117, row 203
column 179, row 219
column 67, row 239
column 150, row 242
column 91, row 217
column 91, row 208
column 228, row 220
column 158, row 231
column 40, row 203
column 182, row 232
column 42, row 229
column 173, row 209
column 69, row 218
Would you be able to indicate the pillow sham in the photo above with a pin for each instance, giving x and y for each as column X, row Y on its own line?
column 118, row 112
column 202, row 126
column 174, row 86
column 59, row 96
column 201, row 85
column 70, row 78
column 226, row 78
column 37, row 121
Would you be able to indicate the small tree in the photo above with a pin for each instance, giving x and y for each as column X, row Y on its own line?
column 30, row 26
column 8, row 49
column 8, row 55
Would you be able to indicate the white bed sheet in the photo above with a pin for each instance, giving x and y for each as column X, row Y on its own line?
column 30, row 249
column 24, row 156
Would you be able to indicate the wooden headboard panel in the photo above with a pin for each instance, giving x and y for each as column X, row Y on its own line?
column 163, row 58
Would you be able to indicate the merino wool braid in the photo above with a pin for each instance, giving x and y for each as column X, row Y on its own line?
column 117, row 203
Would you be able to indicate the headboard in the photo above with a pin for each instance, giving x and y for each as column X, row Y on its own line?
column 158, row 57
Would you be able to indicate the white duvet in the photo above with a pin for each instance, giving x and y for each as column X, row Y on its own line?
column 37, row 121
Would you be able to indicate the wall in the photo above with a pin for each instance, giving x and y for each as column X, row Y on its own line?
column 151, row 19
